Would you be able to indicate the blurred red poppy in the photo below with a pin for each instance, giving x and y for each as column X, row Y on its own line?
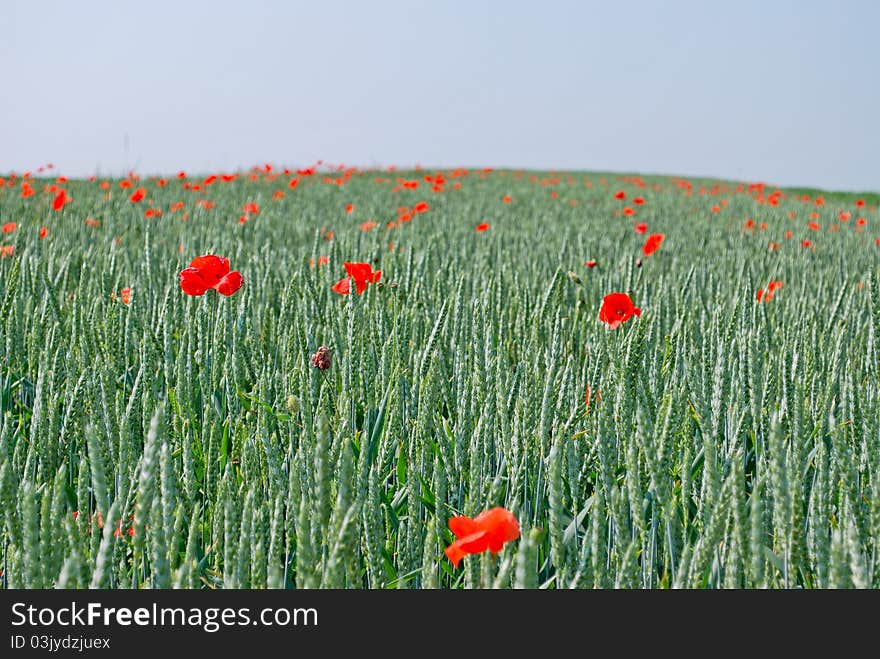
column 652, row 244
column 642, row 227
column 361, row 273
column 617, row 308
column 487, row 531
column 60, row 200
column 138, row 195
column 485, row 226
column 210, row 271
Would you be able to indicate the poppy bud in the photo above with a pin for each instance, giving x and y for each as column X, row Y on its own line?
column 638, row 263
column 321, row 358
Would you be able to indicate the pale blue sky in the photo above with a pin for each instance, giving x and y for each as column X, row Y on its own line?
column 784, row 92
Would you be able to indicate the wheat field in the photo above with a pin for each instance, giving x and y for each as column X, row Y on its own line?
column 728, row 436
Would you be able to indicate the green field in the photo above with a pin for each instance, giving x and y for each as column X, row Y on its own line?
column 180, row 441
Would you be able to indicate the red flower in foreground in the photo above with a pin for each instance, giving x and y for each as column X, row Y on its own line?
column 361, row 273
column 488, row 530
column 617, row 308
column 652, row 244
column 485, row 226
column 210, row 271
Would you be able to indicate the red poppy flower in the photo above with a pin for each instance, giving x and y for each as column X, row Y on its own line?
column 60, row 199
column 9, row 227
column 349, row 208
column 806, row 243
column 590, row 264
column 483, row 227
column 620, row 194
column 421, row 207
column 642, row 227
column 813, row 226
column 44, row 232
column 652, row 244
column 210, row 271
column 487, row 531
column 138, row 195
column 506, row 199
column 125, row 293
column 617, row 308
column 362, row 274
column 639, row 200
column 251, row 208
column 628, row 211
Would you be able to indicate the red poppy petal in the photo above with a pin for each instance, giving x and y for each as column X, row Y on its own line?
column 191, row 282
column 462, row 526
column 213, row 268
column 358, row 270
column 230, row 283
column 474, row 543
column 343, row 286
column 455, row 553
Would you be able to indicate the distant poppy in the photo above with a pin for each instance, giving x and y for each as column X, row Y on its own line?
column 506, row 199
column 9, row 227
column 590, row 264
column 642, row 227
column 806, row 243
column 60, row 200
column 487, row 531
column 369, row 225
column 137, row 195
column 652, row 244
column 629, row 211
column 210, row 271
column 639, row 200
column 421, row 207
column 125, row 293
column 361, row 273
column 44, row 232
column 349, row 208
column 484, row 226
column 620, row 194
column 617, row 308
column 251, row 208
column 293, row 183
